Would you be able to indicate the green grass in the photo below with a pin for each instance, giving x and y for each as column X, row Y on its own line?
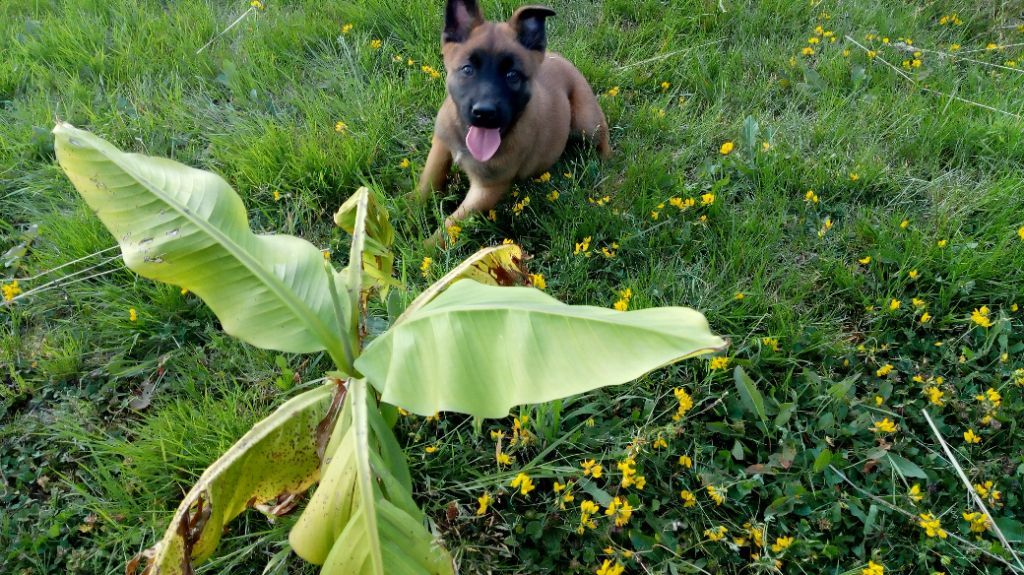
column 89, row 480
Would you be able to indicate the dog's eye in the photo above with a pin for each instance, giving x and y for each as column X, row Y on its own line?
column 467, row 70
column 514, row 77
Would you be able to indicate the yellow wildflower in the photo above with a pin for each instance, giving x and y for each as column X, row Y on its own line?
column 904, row 224
column 376, row 44
column 726, row 148
column 873, row 569
column 988, row 491
column 935, row 395
column 538, row 281
column 257, row 4
column 583, row 247
column 771, row 343
column 659, row 443
column 931, row 526
column 665, row 86
column 707, row 199
column 978, row 520
column 915, row 493
column 454, row 231
column 865, row 260
column 954, row 47
column 971, row 437
column 340, row 127
column 942, row 243
column 484, row 500
column 404, row 164
column 716, row 494
column 685, row 403
column 718, row 363
column 592, row 469
column 1020, row 232
column 553, row 195
column 854, row 176
column 686, row 461
column 545, row 177
column 621, row 510
column 503, row 459
column 781, row 544
column 716, row 534
column 133, row 315
column 811, row 197
column 872, row 54
column 991, row 46
column 739, row 295
column 11, row 290
column 884, row 370
column 346, row 28
column 807, row 51
column 430, row 449
column 609, row 568
column 925, row 317
column 614, row 91
column 884, row 426
column 980, row 316
column 523, row 482
column 425, row 265
column 894, row 304
column 913, row 274
column 813, row 40
column 689, row 499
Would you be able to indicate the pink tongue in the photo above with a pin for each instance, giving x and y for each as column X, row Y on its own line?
column 483, row 142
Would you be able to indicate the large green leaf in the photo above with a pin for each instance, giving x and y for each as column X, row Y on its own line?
column 481, row 349
column 187, row 227
column 377, row 257
column 278, row 456
column 362, row 518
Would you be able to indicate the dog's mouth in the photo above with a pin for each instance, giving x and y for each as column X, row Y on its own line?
column 483, row 143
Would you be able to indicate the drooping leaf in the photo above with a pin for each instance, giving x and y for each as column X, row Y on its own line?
column 278, row 456
column 906, row 467
column 481, row 349
column 362, row 518
column 187, row 227
column 375, row 246
column 497, row 265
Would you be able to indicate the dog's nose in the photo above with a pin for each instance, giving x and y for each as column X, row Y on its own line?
column 484, row 112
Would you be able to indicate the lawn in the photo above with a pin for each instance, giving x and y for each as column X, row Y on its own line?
column 837, row 185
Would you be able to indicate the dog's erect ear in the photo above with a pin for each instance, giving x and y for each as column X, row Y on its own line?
column 460, row 17
column 528, row 23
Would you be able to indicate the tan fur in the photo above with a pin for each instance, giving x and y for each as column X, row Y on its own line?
column 561, row 103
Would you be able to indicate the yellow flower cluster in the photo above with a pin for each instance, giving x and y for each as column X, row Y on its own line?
column 873, row 569
column 718, row 363
column 538, row 281
column 915, row 493
column 716, row 494
column 716, row 534
column 583, row 247
column 953, row 19
column 621, row 510
column 980, row 316
column 931, row 526
column 425, row 265
column 685, row 461
column 587, row 509
column 781, row 544
column 484, row 500
column 884, row 370
column 978, row 521
column 519, row 206
column 454, row 231
column 629, row 475
column 685, row 404
column 689, row 499
column 523, row 482
column 884, row 426
column 988, row 492
column 610, row 568
column 623, row 302
column 10, row 290
column 592, row 469
column 520, row 435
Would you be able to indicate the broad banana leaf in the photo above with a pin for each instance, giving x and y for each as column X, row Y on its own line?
column 362, row 518
column 187, row 227
column 378, row 260
column 497, row 265
column 278, row 456
column 481, row 350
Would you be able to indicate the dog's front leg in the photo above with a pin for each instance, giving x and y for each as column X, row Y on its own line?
column 435, row 172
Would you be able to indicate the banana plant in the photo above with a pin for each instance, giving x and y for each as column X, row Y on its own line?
column 475, row 342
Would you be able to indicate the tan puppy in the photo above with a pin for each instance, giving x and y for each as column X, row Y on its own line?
column 510, row 107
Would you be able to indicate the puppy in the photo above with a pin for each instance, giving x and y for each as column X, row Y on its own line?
column 511, row 105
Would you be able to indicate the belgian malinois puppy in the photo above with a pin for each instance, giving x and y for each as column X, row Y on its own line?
column 510, row 107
